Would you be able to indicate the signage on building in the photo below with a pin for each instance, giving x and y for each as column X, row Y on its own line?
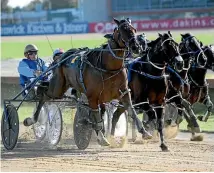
column 108, row 27
column 40, row 29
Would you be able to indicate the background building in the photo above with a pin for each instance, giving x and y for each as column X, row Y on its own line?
column 104, row 10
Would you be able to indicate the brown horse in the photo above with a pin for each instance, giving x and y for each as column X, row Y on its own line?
column 99, row 74
column 148, row 82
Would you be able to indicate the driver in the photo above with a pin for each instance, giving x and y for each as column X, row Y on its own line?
column 31, row 66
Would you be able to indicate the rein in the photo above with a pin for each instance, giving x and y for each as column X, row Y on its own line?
column 149, row 75
column 150, row 62
column 115, row 56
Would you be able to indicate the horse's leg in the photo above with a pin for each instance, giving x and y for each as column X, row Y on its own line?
column 102, row 112
column 56, row 89
column 126, row 100
column 115, row 119
column 29, row 121
column 95, row 115
column 187, row 118
column 179, row 117
column 151, row 113
column 188, row 113
column 160, row 125
column 42, row 99
column 98, row 127
column 194, row 124
column 208, row 103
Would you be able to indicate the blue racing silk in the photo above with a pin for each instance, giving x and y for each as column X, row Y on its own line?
column 27, row 68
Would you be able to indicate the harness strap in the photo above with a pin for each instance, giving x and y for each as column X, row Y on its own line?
column 148, row 59
column 149, row 75
column 199, row 96
column 123, row 93
column 113, row 54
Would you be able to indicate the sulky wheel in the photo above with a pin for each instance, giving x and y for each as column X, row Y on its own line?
column 82, row 129
column 10, row 127
column 54, row 130
column 40, row 127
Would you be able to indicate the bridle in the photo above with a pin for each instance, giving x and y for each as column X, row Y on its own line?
column 119, row 35
column 191, row 52
column 117, row 38
column 161, row 48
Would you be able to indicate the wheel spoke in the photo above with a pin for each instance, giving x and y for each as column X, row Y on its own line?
column 53, row 117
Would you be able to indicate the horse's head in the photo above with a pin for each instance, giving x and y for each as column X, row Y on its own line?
column 124, row 35
column 191, row 46
column 166, row 45
column 209, row 52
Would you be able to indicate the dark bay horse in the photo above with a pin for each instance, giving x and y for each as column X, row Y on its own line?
column 199, row 88
column 179, row 82
column 148, row 82
column 100, row 75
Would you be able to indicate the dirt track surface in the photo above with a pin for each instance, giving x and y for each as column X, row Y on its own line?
column 183, row 156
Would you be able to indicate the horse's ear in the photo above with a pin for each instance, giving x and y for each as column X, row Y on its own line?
column 116, row 21
column 109, row 36
column 182, row 35
column 129, row 20
column 160, row 35
column 201, row 44
column 115, row 29
column 169, row 33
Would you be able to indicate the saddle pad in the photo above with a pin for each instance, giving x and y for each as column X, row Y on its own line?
column 129, row 66
column 76, row 60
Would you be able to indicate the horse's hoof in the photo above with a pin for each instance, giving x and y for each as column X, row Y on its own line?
column 197, row 138
column 168, row 122
column 102, row 140
column 146, row 135
column 200, row 118
column 179, row 120
column 117, row 142
column 134, row 139
column 28, row 122
column 173, row 124
column 164, row 148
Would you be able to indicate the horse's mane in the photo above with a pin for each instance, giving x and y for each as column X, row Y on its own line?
column 153, row 42
column 95, row 53
column 91, row 54
column 68, row 52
